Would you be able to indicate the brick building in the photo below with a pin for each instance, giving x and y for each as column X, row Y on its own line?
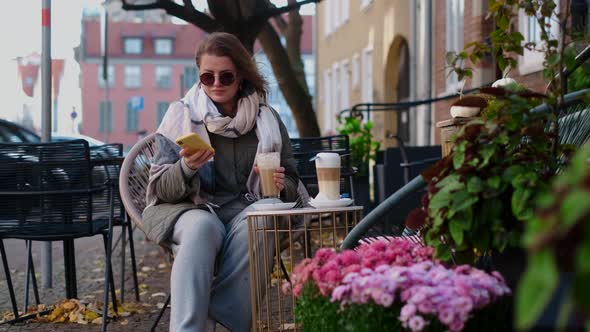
column 458, row 22
column 151, row 64
column 384, row 51
column 146, row 63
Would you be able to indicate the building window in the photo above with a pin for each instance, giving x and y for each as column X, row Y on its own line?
column 454, row 34
column 132, row 76
column 133, row 45
column 337, row 12
column 532, row 61
column 345, row 11
column 328, row 17
column 327, row 100
column 161, row 109
column 163, row 46
column 355, row 71
column 110, row 76
column 344, row 85
column 189, row 77
column 309, row 69
column 365, row 4
column 106, row 117
column 163, row 77
column 336, row 90
column 132, row 118
column 367, row 78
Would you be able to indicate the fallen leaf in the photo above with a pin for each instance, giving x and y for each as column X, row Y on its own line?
column 159, row 294
column 162, row 266
column 147, row 269
column 160, row 305
column 97, row 321
column 124, row 322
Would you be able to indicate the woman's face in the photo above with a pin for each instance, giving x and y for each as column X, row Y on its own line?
column 221, row 67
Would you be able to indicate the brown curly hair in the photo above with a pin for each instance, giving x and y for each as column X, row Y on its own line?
column 225, row 44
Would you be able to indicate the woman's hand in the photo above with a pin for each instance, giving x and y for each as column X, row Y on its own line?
column 196, row 160
column 278, row 176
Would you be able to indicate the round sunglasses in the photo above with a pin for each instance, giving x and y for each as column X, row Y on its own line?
column 226, row 78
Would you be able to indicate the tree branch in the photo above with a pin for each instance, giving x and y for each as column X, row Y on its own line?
column 296, row 96
column 154, row 5
column 188, row 4
column 270, row 12
column 188, row 14
column 292, row 34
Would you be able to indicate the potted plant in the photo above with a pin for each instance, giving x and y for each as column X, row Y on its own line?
column 393, row 286
column 363, row 150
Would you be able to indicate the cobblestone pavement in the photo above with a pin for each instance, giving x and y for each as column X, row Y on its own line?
column 153, row 274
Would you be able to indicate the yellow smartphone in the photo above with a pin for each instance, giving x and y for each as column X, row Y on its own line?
column 193, row 143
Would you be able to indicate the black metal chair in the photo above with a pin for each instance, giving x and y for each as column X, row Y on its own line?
column 107, row 160
column 306, row 148
column 47, row 194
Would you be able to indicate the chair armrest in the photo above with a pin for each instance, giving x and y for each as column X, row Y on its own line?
column 381, row 210
column 420, row 162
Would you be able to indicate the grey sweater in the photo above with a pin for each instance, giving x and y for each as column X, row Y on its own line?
column 223, row 181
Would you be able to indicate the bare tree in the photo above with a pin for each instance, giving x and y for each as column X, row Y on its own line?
column 249, row 20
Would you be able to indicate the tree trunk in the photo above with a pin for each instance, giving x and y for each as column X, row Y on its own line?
column 295, row 95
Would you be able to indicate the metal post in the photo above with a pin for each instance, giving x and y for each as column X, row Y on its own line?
column 429, row 63
column 46, row 268
column 414, row 53
column 105, row 72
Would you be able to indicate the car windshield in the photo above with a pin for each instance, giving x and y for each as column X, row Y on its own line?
column 10, row 134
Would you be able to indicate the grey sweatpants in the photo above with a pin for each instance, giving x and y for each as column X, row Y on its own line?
column 202, row 241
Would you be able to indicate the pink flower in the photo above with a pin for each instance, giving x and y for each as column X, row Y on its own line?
column 349, row 257
column 384, row 272
column 407, row 311
column 297, row 290
column 416, row 323
column 457, row 325
column 286, row 287
column 385, row 300
column 446, row 316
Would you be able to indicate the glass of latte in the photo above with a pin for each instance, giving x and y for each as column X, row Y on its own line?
column 328, row 170
column 267, row 165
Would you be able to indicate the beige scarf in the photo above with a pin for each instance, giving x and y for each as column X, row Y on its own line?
column 197, row 111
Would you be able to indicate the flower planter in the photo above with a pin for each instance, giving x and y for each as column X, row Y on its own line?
column 395, row 286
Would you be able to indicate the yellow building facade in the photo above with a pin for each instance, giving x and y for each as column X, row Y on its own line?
column 363, row 57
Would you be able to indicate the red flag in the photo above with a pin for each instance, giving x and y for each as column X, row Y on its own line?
column 28, row 73
column 57, row 69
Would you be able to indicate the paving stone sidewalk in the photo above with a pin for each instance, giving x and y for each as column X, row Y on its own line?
column 153, row 274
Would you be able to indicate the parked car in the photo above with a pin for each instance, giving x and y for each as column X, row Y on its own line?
column 91, row 141
column 11, row 132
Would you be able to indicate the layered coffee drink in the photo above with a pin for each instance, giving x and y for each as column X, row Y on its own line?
column 328, row 172
column 267, row 166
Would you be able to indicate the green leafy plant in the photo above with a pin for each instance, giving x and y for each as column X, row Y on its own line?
column 558, row 239
column 363, row 148
column 482, row 195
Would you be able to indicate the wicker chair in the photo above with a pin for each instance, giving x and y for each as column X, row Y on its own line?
column 133, row 181
column 46, row 194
